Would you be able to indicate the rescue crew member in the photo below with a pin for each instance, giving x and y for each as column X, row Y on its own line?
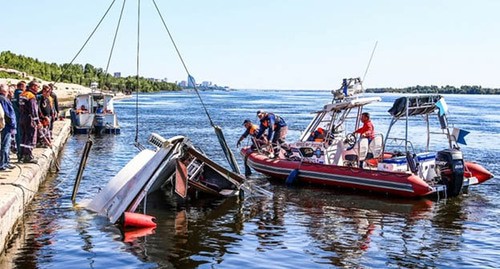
column 250, row 129
column 367, row 130
column 317, row 136
column 29, row 122
column 276, row 130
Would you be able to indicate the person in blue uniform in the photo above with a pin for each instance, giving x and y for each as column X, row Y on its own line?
column 276, row 130
column 8, row 130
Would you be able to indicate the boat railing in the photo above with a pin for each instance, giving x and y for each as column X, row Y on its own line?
column 399, row 145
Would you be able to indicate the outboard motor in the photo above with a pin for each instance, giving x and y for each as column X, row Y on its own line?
column 99, row 124
column 451, row 167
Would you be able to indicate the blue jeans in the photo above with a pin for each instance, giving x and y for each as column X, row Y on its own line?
column 5, row 149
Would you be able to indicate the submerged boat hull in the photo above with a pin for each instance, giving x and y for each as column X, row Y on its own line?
column 151, row 171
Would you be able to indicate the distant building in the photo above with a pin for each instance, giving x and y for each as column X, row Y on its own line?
column 206, row 84
column 183, row 84
column 117, row 74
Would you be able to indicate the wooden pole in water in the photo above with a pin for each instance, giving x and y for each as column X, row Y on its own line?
column 83, row 162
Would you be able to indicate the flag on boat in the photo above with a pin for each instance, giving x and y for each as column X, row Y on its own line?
column 443, row 107
column 459, row 135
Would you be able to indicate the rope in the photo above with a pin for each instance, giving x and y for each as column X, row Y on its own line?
column 114, row 38
column 136, row 143
column 85, row 44
column 184, row 64
column 218, row 131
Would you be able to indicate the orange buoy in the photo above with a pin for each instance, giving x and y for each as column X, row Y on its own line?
column 131, row 219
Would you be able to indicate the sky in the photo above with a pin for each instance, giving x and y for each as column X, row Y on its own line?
column 269, row 44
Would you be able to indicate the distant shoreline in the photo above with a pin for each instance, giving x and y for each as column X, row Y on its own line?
column 66, row 92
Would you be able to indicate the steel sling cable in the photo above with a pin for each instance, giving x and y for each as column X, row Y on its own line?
column 229, row 155
column 136, row 142
column 85, row 44
column 218, row 131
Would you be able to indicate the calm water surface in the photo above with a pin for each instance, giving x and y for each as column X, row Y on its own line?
column 296, row 228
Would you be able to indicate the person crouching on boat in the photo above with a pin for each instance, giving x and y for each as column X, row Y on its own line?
column 318, row 135
column 252, row 130
column 277, row 130
column 367, row 130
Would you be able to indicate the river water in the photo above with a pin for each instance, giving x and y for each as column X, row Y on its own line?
column 307, row 227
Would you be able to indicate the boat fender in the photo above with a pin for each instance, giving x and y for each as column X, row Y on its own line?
column 412, row 163
column 131, row 219
column 292, row 177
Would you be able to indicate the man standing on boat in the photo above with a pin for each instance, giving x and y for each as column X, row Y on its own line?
column 277, row 130
column 29, row 122
column 367, row 130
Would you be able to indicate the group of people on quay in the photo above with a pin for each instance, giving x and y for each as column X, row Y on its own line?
column 277, row 130
column 27, row 114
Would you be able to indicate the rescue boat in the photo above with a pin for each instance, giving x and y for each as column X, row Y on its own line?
column 400, row 163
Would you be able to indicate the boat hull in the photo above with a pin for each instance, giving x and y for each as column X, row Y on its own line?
column 394, row 183
column 94, row 123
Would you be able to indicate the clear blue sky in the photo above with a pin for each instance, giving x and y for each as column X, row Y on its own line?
column 271, row 44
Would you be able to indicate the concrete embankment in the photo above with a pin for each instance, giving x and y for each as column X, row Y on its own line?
column 18, row 186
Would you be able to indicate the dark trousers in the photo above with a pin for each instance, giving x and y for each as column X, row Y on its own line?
column 28, row 140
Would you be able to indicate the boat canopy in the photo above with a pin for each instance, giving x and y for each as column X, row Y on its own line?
column 94, row 100
column 414, row 105
column 357, row 102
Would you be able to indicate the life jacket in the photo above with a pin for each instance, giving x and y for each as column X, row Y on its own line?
column 253, row 130
column 28, row 95
column 319, row 136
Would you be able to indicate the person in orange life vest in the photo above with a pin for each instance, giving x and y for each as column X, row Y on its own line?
column 367, row 130
column 250, row 129
column 317, row 136
column 277, row 130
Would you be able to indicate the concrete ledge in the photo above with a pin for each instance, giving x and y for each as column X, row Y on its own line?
column 18, row 186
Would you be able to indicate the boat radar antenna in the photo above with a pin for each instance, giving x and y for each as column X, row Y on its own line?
column 370, row 61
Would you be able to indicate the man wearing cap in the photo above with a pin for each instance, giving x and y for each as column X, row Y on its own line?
column 276, row 130
column 250, row 129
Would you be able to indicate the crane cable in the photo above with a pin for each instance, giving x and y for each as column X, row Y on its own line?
column 218, row 131
column 136, row 141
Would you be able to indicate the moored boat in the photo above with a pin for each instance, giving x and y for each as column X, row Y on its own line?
column 401, row 163
column 94, row 113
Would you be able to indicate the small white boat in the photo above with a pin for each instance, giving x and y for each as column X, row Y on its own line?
column 94, row 113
